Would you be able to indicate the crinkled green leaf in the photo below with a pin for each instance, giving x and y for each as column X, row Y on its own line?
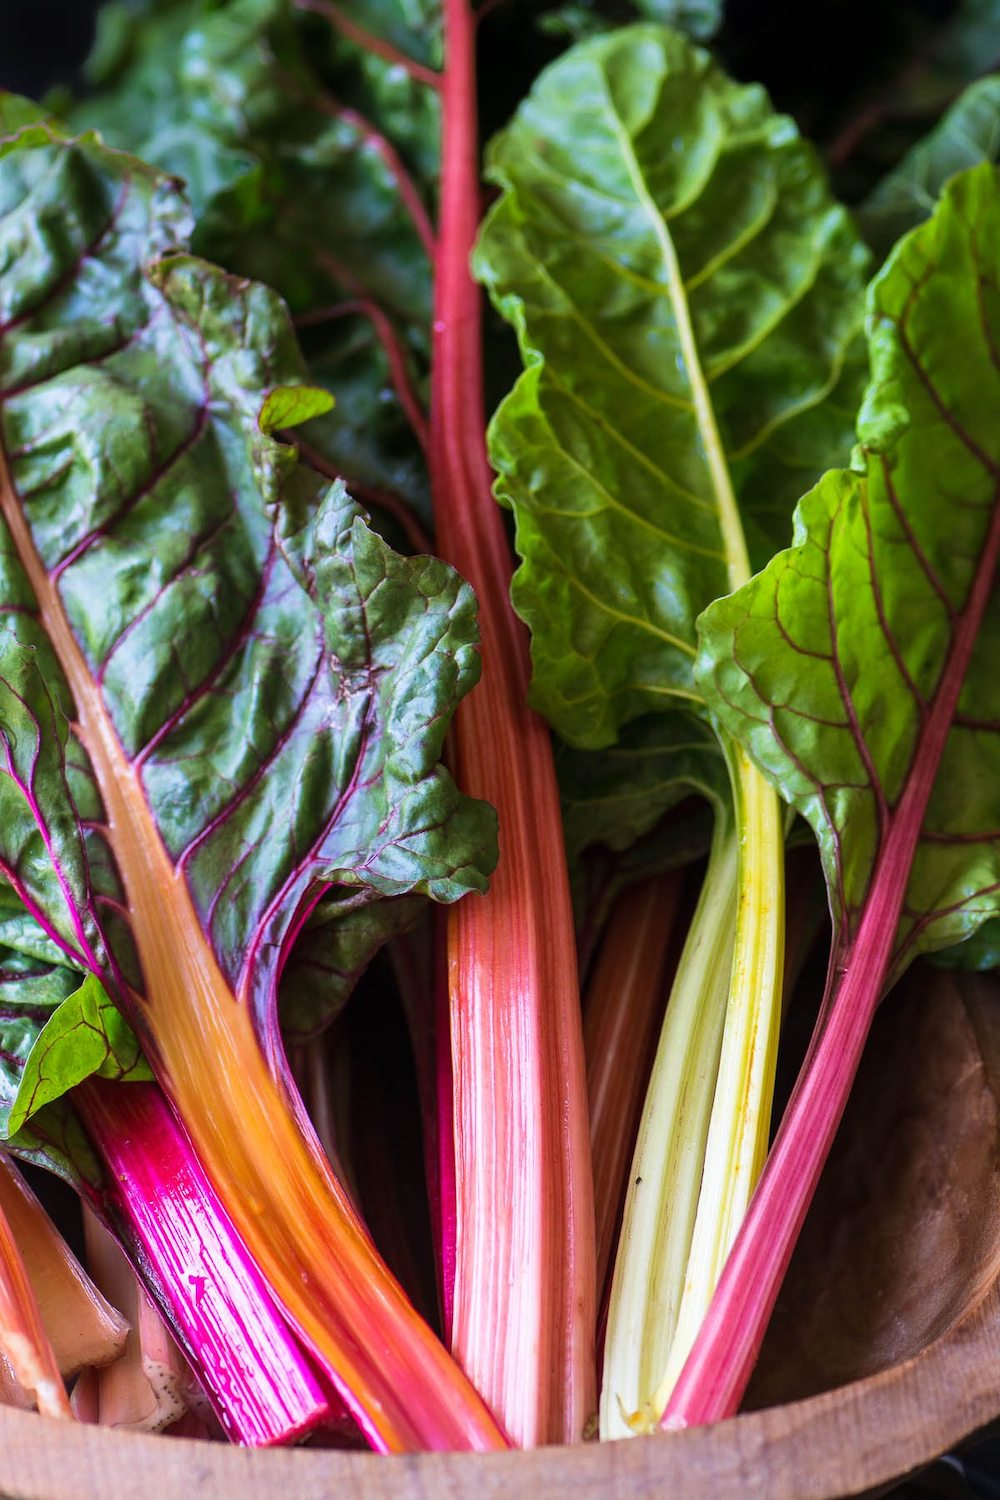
column 688, row 301
column 282, row 678
column 832, row 663
column 645, row 195
column 84, row 1037
column 280, row 126
column 968, row 134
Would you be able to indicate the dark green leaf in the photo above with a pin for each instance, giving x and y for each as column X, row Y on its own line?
column 968, row 134
column 616, row 796
column 293, row 141
column 979, row 952
column 34, row 983
column 335, row 949
column 282, row 678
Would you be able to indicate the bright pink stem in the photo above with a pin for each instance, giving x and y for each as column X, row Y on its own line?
column 715, row 1376
column 248, row 1360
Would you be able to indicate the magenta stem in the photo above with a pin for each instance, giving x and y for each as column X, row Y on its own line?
column 248, row 1360
column 715, row 1376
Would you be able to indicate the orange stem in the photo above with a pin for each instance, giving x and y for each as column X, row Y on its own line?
column 22, row 1333
column 292, row 1213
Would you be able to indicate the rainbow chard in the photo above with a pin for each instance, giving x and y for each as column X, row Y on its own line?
column 221, row 695
column 318, row 158
column 666, row 249
column 858, row 670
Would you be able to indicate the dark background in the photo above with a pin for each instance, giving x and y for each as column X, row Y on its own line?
column 820, row 61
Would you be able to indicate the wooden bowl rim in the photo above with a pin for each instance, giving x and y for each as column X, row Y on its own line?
column 841, row 1443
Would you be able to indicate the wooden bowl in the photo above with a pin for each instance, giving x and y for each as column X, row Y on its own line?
column 897, row 1280
column 847, row 1441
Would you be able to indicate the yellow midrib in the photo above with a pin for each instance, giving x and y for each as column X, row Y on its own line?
column 730, row 525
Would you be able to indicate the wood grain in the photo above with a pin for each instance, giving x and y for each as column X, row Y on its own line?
column 903, row 1236
column 838, row 1444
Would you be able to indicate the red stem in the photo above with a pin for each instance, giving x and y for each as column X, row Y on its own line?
column 524, row 1279
column 250, row 1363
column 395, row 354
column 715, row 1376
column 622, row 1016
column 371, row 43
column 445, row 1209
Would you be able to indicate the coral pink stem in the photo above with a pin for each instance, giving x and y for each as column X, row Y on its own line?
column 523, row 1320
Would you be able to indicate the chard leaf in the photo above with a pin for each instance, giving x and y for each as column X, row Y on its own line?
column 867, row 649
column 686, row 297
column 84, row 1037
column 35, row 983
column 276, row 680
column 31, row 993
column 55, row 1139
column 293, row 142
column 968, row 134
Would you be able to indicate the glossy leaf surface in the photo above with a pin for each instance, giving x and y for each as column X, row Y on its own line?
column 258, row 690
column 192, row 605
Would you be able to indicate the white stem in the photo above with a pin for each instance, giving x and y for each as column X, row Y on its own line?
column 741, row 1112
column 662, row 1195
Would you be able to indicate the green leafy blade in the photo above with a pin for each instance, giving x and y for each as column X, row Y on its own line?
column 85, row 1037
column 335, row 948
column 968, row 134
column 283, row 678
column 829, row 664
column 618, row 796
column 288, row 136
column 686, row 297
